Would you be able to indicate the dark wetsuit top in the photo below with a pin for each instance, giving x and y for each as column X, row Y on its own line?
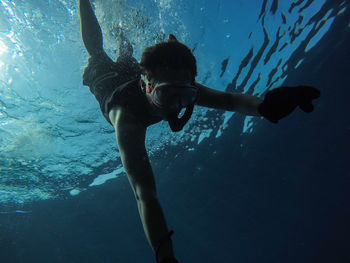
column 118, row 83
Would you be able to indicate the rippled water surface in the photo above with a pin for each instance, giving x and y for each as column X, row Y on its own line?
column 234, row 188
column 53, row 139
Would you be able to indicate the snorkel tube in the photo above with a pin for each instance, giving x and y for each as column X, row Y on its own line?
column 176, row 124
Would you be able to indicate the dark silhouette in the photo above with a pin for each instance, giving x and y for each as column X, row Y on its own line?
column 134, row 95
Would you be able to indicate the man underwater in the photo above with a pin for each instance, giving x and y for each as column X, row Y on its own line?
column 133, row 96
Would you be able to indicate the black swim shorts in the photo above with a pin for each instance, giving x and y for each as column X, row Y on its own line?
column 117, row 83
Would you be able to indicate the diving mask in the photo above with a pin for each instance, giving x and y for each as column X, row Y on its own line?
column 173, row 95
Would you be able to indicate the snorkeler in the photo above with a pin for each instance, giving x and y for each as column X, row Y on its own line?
column 133, row 96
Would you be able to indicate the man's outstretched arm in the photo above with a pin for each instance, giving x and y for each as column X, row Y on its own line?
column 130, row 135
column 242, row 103
column 90, row 29
column 277, row 104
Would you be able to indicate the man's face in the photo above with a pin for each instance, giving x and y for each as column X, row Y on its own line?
column 171, row 93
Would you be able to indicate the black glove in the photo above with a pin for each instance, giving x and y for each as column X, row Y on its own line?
column 282, row 101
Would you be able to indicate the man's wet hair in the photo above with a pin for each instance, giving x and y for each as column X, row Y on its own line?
column 172, row 54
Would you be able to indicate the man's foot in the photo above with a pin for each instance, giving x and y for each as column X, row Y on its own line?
column 125, row 48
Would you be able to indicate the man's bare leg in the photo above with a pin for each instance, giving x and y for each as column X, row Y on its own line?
column 125, row 48
column 90, row 29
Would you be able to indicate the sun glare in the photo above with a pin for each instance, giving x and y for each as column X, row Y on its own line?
column 3, row 48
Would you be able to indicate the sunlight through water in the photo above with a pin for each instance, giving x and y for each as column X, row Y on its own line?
column 54, row 142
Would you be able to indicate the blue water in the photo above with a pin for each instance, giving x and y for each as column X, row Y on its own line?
column 234, row 188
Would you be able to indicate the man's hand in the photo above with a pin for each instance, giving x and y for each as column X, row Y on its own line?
column 282, row 101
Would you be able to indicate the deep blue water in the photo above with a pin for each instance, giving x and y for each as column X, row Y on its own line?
column 234, row 189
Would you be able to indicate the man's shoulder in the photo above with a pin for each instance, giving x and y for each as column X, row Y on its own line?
column 121, row 115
